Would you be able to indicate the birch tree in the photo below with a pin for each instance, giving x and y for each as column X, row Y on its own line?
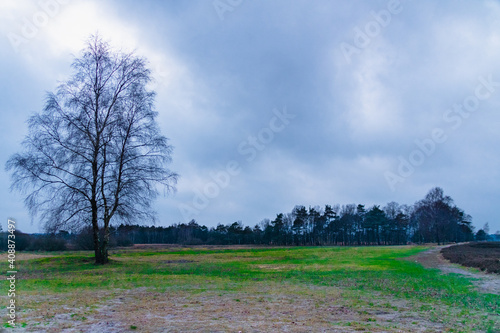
column 95, row 154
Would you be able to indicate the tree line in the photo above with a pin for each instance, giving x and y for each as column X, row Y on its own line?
column 434, row 219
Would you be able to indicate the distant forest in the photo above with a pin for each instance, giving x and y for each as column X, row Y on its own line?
column 435, row 219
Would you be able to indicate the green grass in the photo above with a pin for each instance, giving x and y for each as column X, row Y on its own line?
column 360, row 272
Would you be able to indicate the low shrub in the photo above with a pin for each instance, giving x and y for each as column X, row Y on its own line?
column 484, row 255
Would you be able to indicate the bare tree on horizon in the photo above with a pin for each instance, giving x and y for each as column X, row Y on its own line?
column 95, row 153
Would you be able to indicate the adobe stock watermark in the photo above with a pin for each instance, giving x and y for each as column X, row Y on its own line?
column 222, row 7
column 29, row 27
column 453, row 117
column 364, row 35
column 249, row 150
column 11, row 272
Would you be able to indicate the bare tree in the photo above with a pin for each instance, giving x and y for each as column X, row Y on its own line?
column 438, row 219
column 95, row 153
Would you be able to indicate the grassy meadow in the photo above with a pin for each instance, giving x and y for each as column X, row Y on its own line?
column 297, row 289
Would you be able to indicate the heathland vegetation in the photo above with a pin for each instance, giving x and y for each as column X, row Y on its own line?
column 483, row 255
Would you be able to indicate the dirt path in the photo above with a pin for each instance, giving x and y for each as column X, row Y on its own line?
column 432, row 258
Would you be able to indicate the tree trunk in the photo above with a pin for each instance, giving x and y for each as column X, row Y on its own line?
column 95, row 234
column 103, row 249
column 97, row 250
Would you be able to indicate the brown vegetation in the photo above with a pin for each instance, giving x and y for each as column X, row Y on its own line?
column 484, row 255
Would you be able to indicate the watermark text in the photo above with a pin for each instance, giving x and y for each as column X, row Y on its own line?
column 11, row 273
column 453, row 117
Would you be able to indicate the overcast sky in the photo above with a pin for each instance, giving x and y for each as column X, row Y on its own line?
column 270, row 104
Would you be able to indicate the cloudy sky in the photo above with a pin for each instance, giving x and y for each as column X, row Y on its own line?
column 270, row 104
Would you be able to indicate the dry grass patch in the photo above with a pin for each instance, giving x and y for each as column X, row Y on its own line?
column 261, row 307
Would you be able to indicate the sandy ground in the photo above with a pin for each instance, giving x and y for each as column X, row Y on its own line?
column 268, row 308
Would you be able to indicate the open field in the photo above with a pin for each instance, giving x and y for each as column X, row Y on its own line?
column 316, row 289
column 485, row 256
